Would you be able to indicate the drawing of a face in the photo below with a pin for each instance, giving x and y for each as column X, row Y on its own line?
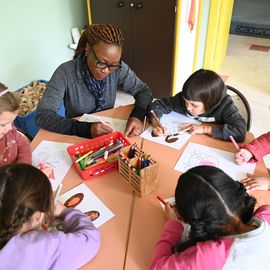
column 93, row 214
column 74, row 200
column 196, row 159
column 171, row 138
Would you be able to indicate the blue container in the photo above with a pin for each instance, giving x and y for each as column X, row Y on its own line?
column 26, row 123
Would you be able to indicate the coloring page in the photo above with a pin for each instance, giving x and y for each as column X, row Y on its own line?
column 55, row 156
column 196, row 154
column 82, row 198
column 172, row 124
column 117, row 124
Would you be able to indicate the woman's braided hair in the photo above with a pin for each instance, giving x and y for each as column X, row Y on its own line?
column 95, row 33
column 23, row 190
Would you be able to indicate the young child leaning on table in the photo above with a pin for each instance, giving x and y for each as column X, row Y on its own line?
column 204, row 97
column 224, row 229
column 26, row 201
column 254, row 152
column 13, row 147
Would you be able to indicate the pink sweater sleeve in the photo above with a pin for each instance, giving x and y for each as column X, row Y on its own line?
column 259, row 147
column 210, row 255
column 24, row 152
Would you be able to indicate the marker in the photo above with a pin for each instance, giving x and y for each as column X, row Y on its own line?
column 57, row 193
column 158, row 122
column 234, row 143
column 84, row 156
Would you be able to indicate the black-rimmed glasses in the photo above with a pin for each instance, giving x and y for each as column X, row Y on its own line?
column 103, row 65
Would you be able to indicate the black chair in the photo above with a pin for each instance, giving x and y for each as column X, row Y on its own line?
column 242, row 104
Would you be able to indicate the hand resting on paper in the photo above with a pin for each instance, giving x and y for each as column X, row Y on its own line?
column 134, row 127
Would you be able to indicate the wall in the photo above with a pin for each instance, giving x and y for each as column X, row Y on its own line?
column 35, row 37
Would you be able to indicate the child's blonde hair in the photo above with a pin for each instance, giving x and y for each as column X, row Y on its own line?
column 9, row 102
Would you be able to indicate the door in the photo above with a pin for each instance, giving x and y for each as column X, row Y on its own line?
column 148, row 28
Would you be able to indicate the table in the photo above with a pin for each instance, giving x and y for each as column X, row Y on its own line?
column 127, row 240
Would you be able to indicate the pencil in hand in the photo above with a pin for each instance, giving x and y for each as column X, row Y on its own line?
column 235, row 143
column 157, row 120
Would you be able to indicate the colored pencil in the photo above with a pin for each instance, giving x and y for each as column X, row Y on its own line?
column 57, row 193
column 234, row 143
column 161, row 200
column 158, row 122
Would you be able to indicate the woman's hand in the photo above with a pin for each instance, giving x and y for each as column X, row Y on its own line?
column 99, row 129
column 256, row 183
column 134, row 127
column 242, row 156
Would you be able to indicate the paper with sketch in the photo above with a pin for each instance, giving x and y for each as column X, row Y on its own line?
column 55, row 155
column 172, row 123
column 196, row 154
column 117, row 124
column 82, row 198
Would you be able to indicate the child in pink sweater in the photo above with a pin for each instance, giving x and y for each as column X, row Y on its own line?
column 254, row 152
column 225, row 232
column 14, row 148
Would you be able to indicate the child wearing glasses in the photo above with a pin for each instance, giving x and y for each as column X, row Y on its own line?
column 14, row 148
column 26, row 202
column 225, row 231
column 254, row 152
column 89, row 83
column 204, row 98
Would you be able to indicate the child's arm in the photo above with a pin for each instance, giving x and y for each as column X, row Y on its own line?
column 80, row 240
column 24, row 152
column 167, row 105
column 256, row 182
column 232, row 123
column 259, row 147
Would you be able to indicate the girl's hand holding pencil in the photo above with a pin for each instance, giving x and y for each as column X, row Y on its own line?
column 242, row 156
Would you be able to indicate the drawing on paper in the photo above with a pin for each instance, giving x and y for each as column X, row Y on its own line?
column 74, row 200
column 173, row 124
column 196, row 155
column 82, row 198
column 196, row 158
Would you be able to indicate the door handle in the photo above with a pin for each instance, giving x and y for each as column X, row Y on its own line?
column 139, row 5
column 120, row 4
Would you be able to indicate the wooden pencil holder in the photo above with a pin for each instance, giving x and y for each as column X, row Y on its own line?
column 143, row 181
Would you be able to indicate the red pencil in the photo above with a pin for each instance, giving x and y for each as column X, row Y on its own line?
column 161, row 200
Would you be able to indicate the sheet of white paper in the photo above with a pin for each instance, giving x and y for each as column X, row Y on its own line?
column 171, row 122
column 196, row 154
column 55, row 155
column 89, row 202
column 117, row 124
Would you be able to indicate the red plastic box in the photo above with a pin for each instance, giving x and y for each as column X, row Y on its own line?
column 93, row 145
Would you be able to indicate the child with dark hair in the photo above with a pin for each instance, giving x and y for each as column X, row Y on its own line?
column 253, row 152
column 26, row 201
column 224, row 229
column 13, row 146
column 204, row 98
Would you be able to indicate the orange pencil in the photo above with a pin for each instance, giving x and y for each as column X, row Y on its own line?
column 162, row 201
column 158, row 122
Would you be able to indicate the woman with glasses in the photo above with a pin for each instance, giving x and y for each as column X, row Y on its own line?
column 89, row 83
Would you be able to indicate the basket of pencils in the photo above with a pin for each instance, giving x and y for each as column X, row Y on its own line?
column 97, row 156
column 139, row 169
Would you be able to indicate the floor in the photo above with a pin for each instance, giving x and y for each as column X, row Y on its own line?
column 247, row 69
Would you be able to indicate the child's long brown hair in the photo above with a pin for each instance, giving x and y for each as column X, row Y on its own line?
column 9, row 102
column 23, row 190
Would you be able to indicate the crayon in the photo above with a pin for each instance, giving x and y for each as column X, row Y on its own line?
column 81, row 163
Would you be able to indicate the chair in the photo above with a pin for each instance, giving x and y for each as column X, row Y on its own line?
column 242, row 104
